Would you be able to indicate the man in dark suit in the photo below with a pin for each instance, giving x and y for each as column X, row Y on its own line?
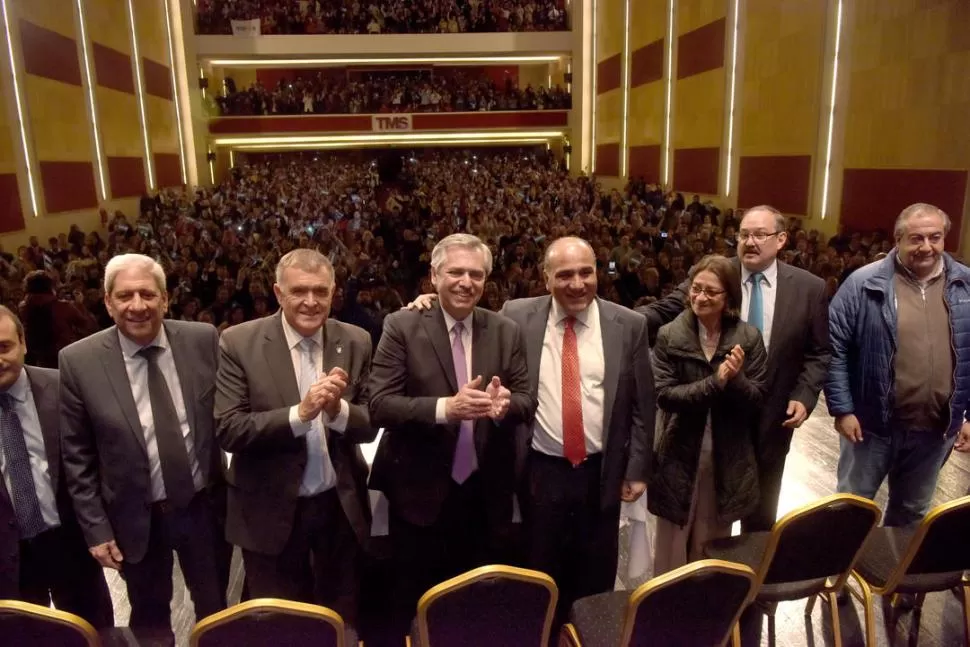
column 137, row 439
column 449, row 385
column 291, row 406
column 790, row 308
column 591, row 444
column 43, row 556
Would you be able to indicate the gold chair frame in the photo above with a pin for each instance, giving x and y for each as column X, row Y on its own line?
column 53, row 616
column 288, row 607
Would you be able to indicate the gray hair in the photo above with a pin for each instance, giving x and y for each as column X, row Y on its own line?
column 466, row 241
column 916, row 209
column 10, row 314
column 308, row 260
column 780, row 222
column 124, row 262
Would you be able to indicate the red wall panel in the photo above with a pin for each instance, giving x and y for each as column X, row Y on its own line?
column 168, row 170
column 696, row 170
column 11, row 214
column 158, row 79
column 647, row 64
column 781, row 181
column 873, row 198
column 645, row 163
column 608, row 160
column 49, row 54
column 68, row 186
column 609, row 74
column 127, row 175
column 112, row 68
column 701, row 50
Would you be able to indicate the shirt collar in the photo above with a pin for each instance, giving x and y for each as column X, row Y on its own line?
column 559, row 315
column 293, row 338
column 937, row 271
column 770, row 273
column 18, row 390
column 451, row 321
column 130, row 348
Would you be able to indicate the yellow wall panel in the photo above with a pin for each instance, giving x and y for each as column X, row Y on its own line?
column 120, row 123
column 162, row 126
column 107, row 23
column 8, row 142
column 646, row 121
column 59, row 135
column 609, row 28
column 649, row 22
column 692, row 14
column 609, row 116
column 150, row 28
column 781, row 95
column 699, row 106
column 56, row 15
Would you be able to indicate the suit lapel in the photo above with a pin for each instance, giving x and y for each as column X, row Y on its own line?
column 114, row 367
column 535, row 333
column 183, row 366
column 480, row 348
column 611, row 333
column 434, row 325
column 334, row 353
column 45, row 401
column 280, row 363
column 784, row 302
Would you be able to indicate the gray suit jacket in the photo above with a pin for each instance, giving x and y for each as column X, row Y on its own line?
column 256, row 387
column 103, row 446
column 629, row 407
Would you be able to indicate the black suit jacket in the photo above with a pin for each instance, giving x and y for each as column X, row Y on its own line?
column 103, row 445
column 412, row 369
column 256, row 388
column 629, row 407
column 799, row 352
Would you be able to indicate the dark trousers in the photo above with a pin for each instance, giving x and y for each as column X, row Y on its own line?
column 459, row 540
column 56, row 566
column 191, row 533
column 318, row 564
column 570, row 536
column 771, row 469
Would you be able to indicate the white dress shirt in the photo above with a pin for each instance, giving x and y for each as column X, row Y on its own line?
column 26, row 410
column 547, row 436
column 769, row 289
column 301, row 428
column 137, row 369
column 466, row 340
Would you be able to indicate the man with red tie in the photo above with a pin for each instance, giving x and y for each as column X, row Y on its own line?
column 590, row 445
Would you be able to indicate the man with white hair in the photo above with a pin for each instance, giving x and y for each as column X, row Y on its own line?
column 139, row 450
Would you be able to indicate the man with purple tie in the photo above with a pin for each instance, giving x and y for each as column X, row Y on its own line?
column 449, row 385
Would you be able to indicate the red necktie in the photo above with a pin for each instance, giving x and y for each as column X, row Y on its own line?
column 573, row 436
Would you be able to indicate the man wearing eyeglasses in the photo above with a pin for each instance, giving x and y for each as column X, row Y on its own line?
column 789, row 306
column 899, row 386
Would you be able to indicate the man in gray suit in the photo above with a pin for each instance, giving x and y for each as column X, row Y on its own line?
column 137, row 439
column 789, row 306
column 291, row 406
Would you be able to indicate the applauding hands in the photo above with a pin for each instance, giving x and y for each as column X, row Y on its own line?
column 471, row 403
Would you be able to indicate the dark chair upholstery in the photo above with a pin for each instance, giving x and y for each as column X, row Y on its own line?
column 273, row 622
column 809, row 552
column 492, row 605
column 22, row 623
column 697, row 604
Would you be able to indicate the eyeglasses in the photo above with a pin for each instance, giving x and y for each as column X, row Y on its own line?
column 710, row 293
column 758, row 237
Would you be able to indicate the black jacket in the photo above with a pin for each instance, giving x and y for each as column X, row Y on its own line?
column 686, row 391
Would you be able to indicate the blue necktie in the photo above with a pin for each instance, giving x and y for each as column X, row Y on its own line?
column 313, row 473
column 756, row 308
column 23, row 491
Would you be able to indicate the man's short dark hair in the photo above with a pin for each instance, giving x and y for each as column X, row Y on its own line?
column 38, row 282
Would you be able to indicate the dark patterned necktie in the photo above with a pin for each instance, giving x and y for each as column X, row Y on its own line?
column 23, row 490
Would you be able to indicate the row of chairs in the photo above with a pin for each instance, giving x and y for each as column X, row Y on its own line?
column 810, row 553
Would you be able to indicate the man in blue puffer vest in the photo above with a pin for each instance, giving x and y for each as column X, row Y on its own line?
column 899, row 380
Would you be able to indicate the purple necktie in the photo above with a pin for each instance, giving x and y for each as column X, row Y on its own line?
column 465, row 460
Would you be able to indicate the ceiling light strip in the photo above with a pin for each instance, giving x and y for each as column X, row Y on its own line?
column 21, row 119
column 288, row 62
column 397, row 137
column 336, row 145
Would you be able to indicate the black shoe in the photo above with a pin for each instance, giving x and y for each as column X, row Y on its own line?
column 905, row 601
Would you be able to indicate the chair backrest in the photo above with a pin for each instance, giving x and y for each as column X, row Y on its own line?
column 939, row 544
column 819, row 541
column 22, row 623
column 696, row 604
column 491, row 605
column 268, row 621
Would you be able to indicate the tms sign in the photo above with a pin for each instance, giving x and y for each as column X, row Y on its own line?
column 395, row 123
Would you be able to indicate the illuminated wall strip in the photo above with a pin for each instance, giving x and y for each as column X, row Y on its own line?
column 202, row 76
column 175, row 89
column 668, row 107
column 835, row 85
column 212, row 173
column 353, row 145
column 19, row 100
column 291, row 62
column 90, row 82
column 232, row 159
column 386, row 138
column 140, row 87
column 592, row 130
column 624, row 136
column 734, row 77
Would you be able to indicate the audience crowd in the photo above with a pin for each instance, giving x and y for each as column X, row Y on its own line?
column 383, row 92
column 383, row 16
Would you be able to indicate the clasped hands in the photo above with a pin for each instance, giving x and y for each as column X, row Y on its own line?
column 324, row 395
column 470, row 403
